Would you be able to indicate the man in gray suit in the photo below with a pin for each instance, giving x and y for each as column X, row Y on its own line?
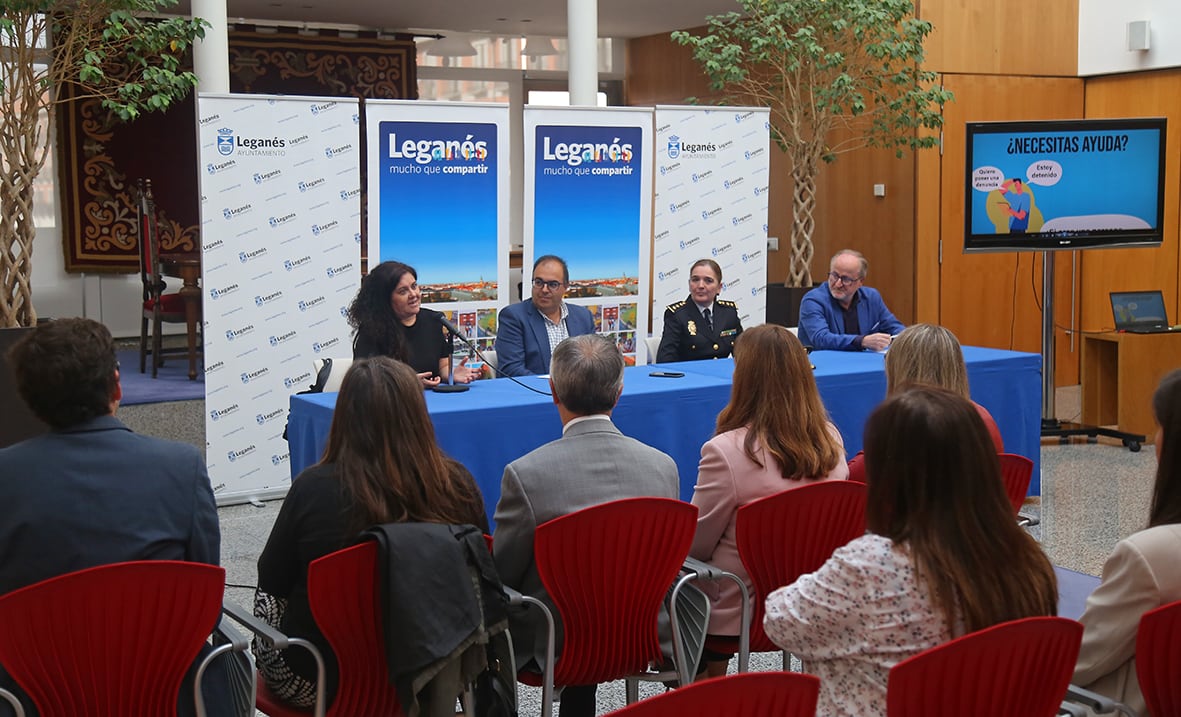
column 91, row 492
column 591, row 463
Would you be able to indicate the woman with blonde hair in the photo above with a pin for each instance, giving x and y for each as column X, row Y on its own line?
column 773, row 435
column 942, row 557
column 931, row 355
column 381, row 465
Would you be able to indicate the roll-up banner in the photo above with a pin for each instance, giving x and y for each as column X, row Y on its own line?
column 712, row 169
column 588, row 179
column 280, row 257
column 438, row 191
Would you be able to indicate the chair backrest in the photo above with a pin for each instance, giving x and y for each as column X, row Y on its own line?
column 653, row 344
column 750, row 694
column 329, row 373
column 113, row 640
column 342, row 592
column 792, row 533
column 857, row 467
column 1158, row 659
column 1018, row 669
column 1016, row 472
column 607, row 569
column 149, row 239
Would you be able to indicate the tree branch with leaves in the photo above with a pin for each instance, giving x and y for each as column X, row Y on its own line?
column 121, row 52
column 823, row 68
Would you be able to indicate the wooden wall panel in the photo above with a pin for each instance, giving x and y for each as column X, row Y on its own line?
column 1145, row 94
column 928, row 167
column 661, row 72
column 1002, row 37
column 994, row 299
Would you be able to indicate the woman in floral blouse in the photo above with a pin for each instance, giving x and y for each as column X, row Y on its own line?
column 943, row 556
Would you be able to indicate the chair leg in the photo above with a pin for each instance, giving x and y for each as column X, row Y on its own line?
column 631, row 690
column 157, row 358
column 143, row 342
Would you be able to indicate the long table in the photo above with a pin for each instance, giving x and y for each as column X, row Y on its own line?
column 498, row 421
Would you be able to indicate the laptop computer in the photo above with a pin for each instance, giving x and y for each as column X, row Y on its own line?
column 1140, row 312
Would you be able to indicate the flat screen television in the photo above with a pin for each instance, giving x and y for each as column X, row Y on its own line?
column 1064, row 184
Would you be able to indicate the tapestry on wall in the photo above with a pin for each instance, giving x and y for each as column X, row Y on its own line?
column 99, row 160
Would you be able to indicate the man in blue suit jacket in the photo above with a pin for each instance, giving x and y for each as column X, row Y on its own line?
column 843, row 314
column 529, row 331
column 90, row 492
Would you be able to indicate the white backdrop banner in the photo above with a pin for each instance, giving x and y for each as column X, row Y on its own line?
column 281, row 260
column 588, row 178
column 711, row 203
column 438, row 190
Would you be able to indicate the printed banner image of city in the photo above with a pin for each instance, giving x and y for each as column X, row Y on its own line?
column 618, row 323
column 438, row 206
column 586, row 200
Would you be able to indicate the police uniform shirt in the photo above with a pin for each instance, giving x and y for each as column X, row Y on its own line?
column 688, row 337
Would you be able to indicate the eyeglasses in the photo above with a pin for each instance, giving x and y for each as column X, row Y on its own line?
column 843, row 280
column 551, row 285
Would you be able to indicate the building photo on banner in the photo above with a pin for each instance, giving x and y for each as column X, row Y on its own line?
column 587, row 199
column 438, row 190
column 712, row 171
column 281, row 260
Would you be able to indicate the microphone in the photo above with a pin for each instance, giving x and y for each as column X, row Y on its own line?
column 453, row 330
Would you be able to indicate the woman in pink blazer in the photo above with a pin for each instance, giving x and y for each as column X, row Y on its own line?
column 1143, row 573
column 773, row 435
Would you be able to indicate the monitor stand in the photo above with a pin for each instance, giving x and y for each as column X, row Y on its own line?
column 1051, row 426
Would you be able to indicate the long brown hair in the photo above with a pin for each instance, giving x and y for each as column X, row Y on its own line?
column 934, row 483
column 774, row 395
column 1166, row 491
column 925, row 353
column 382, row 444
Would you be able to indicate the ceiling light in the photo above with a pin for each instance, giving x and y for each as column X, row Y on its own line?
column 538, row 47
column 450, row 46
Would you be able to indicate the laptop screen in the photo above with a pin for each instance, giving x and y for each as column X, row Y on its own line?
column 1138, row 308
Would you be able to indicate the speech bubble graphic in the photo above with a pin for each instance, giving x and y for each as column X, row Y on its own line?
column 1045, row 172
column 986, row 179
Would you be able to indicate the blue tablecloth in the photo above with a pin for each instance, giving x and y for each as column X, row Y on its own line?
column 499, row 421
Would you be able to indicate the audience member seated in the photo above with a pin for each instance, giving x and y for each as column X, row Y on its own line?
column 529, row 331
column 389, row 320
column 1143, row 573
column 91, row 492
column 591, row 463
column 381, row 465
column 943, row 556
column 702, row 326
column 843, row 314
column 773, row 435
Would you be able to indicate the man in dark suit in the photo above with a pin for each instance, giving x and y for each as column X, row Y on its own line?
column 591, row 463
column 527, row 332
column 702, row 326
column 90, row 492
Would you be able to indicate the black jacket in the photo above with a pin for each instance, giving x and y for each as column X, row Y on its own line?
column 687, row 338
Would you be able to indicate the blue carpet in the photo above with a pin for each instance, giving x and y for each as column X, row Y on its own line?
column 171, row 384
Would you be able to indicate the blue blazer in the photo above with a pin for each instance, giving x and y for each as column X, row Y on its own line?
column 822, row 321
column 522, row 344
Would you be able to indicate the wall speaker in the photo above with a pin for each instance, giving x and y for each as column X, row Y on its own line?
column 1138, row 35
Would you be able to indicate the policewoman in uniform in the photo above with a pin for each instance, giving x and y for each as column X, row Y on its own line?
column 702, row 326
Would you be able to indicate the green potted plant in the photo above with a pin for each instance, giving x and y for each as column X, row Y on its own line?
column 116, row 50
column 837, row 75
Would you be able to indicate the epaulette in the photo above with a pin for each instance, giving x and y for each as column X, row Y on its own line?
column 723, row 302
column 674, row 307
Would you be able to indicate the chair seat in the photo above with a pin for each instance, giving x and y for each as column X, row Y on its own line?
column 169, row 304
column 272, row 706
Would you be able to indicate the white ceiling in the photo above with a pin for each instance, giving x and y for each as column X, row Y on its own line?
column 617, row 18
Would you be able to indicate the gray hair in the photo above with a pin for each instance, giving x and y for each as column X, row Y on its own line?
column 587, row 373
column 854, row 253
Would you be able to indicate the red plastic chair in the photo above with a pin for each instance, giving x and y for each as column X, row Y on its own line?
column 751, row 694
column 607, row 569
column 857, row 467
column 792, row 533
column 1017, row 669
column 342, row 592
column 1158, row 659
column 1016, row 471
column 114, row 640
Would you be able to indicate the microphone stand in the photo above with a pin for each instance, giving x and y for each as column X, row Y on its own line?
column 453, row 332
column 450, row 386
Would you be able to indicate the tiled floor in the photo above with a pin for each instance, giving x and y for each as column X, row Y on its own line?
column 1092, row 496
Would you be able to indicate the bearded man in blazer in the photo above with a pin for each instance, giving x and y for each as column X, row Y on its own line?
column 591, row 463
